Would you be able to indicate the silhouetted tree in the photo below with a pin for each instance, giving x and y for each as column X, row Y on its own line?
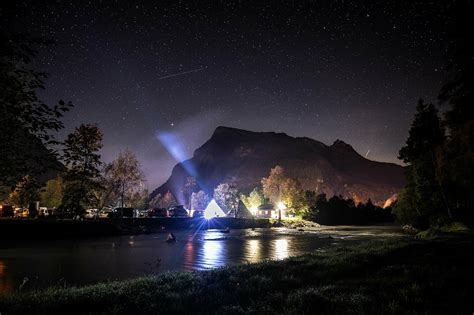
column 456, row 160
column 338, row 210
column 25, row 121
column 80, row 155
column 124, row 179
column 26, row 191
column 422, row 200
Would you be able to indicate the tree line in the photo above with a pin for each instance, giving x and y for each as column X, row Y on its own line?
column 439, row 151
column 30, row 151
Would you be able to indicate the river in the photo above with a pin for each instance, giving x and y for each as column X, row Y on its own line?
column 38, row 264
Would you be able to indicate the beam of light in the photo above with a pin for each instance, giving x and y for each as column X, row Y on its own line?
column 179, row 73
column 175, row 147
column 367, row 154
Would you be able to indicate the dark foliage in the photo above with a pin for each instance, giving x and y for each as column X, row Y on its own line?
column 456, row 157
column 83, row 162
column 440, row 163
column 338, row 210
column 26, row 122
column 422, row 202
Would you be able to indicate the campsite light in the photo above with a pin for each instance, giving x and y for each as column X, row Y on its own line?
column 253, row 210
column 208, row 215
column 281, row 206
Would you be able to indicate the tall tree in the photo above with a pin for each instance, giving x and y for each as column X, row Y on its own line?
column 26, row 191
column 166, row 201
column 279, row 188
column 82, row 158
column 199, row 200
column 227, row 196
column 26, row 123
column 456, row 161
column 189, row 187
column 124, row 177
column 52, row 194
column 422, row 201
column 254, row 199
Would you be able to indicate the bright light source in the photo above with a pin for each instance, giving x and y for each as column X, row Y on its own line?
column 253, row 210
column 208, row 215
column 281, row 206
column 213, row 210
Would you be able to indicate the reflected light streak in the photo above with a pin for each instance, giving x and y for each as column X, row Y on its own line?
column 212, row 254
column 281, row 249
column 252, row 251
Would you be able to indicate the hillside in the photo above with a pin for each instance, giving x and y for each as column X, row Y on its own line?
column 244, row 157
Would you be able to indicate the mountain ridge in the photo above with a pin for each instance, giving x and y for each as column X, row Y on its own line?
column 243, row 157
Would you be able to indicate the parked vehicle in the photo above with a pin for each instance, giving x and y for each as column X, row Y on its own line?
column 91, row 214
column 18, row 212
column 43, row 212
column 157, row 213
column 63, row 213
column 122, row 213
column 141, row 213
column 104, row 214
column 178, row 212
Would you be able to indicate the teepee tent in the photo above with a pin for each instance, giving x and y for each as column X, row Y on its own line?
column 213, row 210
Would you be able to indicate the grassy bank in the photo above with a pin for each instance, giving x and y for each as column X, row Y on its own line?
column 380, row 277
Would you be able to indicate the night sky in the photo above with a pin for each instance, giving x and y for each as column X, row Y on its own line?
column 145, row 71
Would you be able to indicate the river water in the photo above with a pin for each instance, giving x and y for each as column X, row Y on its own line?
column 38, row 264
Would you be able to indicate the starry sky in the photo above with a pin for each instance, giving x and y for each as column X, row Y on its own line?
column 152, row 70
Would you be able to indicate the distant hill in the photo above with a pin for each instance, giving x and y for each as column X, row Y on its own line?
column 244, row 157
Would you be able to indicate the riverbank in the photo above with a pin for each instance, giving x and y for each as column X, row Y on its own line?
column 396, row 276
column 14, row 229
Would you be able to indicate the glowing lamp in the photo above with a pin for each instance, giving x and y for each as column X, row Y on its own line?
column 253, row 210
column 281, row 206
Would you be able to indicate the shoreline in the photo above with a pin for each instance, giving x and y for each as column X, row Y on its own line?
column 24, row 229
column 372, row 277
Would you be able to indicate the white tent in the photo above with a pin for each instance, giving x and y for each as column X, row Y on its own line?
column 213, row 210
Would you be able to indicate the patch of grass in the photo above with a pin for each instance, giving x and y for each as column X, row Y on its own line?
column 453, row 229
column 398, row 276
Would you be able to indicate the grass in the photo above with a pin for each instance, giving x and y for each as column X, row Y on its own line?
column 454, row 229
column 397, row 276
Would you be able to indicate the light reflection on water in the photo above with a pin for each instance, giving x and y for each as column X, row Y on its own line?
column 212, row 254
column 281, row 249
column 78, row 262
column 252, row 251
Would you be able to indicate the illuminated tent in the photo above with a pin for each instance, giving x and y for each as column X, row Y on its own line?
column 213, row 210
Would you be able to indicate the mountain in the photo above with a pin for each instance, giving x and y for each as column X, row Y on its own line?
column 244, row 157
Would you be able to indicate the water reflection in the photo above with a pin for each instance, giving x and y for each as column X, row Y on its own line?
column 79, row 262
column 252, row 250
column 5, row 284
column 212, row 255
column 280, row 248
